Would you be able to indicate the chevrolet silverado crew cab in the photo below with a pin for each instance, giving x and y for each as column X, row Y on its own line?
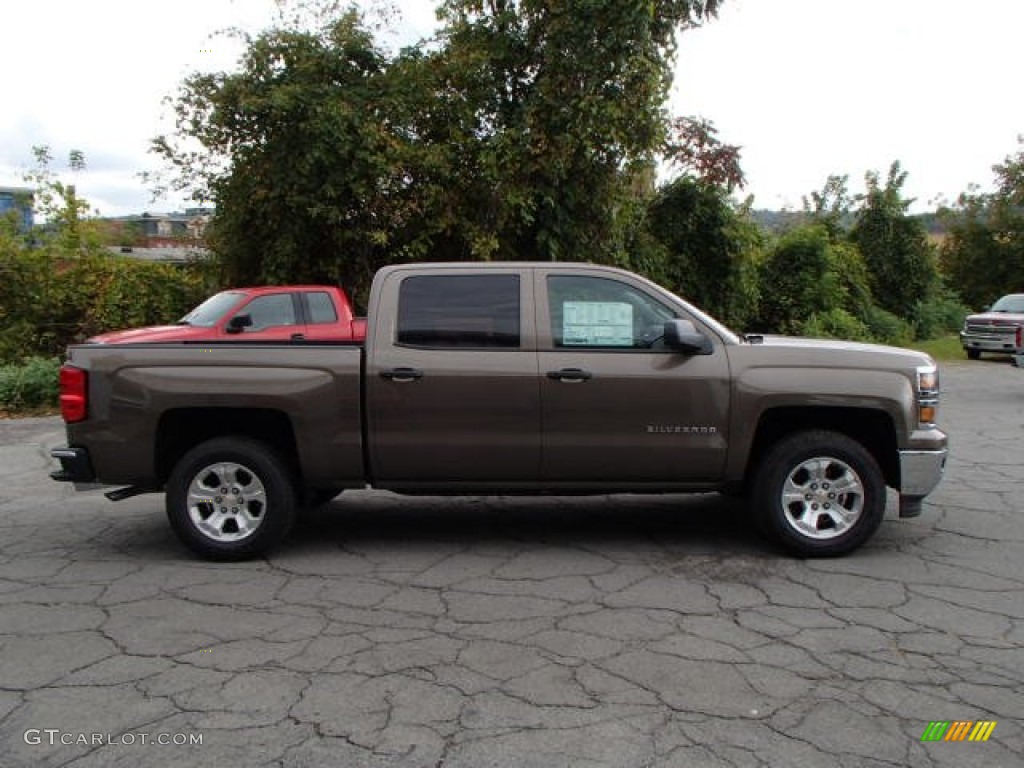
column 508, row 378
column 267, row 313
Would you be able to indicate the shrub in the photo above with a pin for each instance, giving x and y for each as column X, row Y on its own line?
column 32, row 384
column 887, row 328
column 835, row 324
column 938, row 316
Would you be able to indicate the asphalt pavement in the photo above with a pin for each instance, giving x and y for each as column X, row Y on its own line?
column 618, row 631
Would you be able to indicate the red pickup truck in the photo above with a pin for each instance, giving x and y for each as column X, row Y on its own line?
column 270, row 313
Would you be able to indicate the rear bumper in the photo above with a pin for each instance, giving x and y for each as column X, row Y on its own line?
column 75, row 465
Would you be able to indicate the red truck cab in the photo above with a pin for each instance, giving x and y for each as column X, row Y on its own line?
column 269, row 313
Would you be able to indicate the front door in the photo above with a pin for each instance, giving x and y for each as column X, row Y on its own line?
column 617, row 406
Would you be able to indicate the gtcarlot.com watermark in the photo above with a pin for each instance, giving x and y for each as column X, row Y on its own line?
column 55, row 737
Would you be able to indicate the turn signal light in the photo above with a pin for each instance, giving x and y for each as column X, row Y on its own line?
column 74, row 387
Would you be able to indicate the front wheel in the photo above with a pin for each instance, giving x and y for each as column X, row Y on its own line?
column 819, row 493
column 230, row 498
column 973, row 354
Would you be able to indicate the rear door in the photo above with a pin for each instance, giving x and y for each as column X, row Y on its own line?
column 617, row 406
column 452, row 388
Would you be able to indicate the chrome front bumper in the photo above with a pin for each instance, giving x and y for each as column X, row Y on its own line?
column 920, row 473
column 988, row 342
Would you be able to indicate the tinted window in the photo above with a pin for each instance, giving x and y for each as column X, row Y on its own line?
column 267, row 311
column 321, row 308
column 459, row 311
column 589, row 312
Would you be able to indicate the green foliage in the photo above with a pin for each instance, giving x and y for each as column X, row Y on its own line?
column 901, row 264
column 710, row 250
column 800, row 280
column 526, row 129
column 59, row 285
column 938, row 315
column 32, row 384
column 835, row 324
column 885, row 327
column 983, row 254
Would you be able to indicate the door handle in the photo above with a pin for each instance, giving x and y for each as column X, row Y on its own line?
column 298, row 337
column 402, row 374
column 570, row 375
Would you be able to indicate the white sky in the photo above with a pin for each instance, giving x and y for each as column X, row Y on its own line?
column 808, row 88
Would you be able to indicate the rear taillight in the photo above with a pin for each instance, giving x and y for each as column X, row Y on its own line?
column 74, row 394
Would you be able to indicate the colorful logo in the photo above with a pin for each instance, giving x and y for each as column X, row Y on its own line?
column 958, row 730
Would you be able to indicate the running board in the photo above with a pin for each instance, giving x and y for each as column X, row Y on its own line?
column 126, row 493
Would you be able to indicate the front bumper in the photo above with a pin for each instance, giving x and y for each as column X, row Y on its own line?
column 75, row 465
column 920, row 473
column 989, row 342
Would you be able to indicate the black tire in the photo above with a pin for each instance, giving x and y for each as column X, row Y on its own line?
column 819, row 494
column 231, row 498
column 973, row 354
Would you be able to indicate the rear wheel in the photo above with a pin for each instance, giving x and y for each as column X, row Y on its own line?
column 230, row 498
column 819, row 494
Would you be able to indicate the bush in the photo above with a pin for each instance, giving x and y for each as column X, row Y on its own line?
column 938, row 316
column 33, row 384
column 49, row 301
column 887, row 328
column 835, row 324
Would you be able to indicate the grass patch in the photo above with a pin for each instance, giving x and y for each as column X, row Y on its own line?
column 29, row 386
column 946, row 348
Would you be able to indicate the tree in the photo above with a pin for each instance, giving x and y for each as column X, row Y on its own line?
column 710, row 248
column 901, row 264
column 983, row 253
column 808, row 278
column 303, row 151
column 526, row 129
column 567, row 110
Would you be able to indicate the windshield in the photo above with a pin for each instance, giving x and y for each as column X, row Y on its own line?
column 1012, row 303
column 210, row 311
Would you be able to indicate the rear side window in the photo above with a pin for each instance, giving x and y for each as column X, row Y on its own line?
column 321, row 308
column 459, row 311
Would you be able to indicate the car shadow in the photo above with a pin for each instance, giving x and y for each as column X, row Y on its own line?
column 698, row 522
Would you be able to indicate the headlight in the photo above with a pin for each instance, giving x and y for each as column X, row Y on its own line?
column 927, row 396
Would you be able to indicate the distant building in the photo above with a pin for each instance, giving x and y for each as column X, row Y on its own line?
column 19, row 200
column 177, row 236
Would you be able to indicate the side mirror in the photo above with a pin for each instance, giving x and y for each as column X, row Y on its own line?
column 239, row 323
column 684, row 336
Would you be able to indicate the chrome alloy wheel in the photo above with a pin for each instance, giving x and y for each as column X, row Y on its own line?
column 822, row 498
column 226, row 501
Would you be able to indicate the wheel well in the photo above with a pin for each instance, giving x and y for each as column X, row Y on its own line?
column 181, row 429
column 872, row 429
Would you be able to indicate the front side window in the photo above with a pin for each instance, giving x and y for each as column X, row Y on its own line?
column 599, row 313
column 268, row 311
column 446, row 311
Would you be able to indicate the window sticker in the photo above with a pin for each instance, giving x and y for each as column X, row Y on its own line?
column 597, row 324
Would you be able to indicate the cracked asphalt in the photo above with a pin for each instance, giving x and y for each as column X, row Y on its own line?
column 620, row 631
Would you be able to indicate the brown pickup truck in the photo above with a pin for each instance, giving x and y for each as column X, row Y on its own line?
column 508, row 378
